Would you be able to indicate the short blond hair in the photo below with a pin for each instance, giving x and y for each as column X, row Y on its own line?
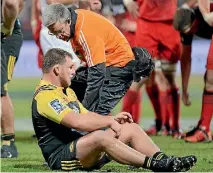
column 52, row 57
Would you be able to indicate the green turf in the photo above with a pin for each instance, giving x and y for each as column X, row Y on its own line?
column 21, row 91
column 30, row 158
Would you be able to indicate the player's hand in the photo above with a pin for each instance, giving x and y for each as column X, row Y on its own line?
column 132, row 7
column 185, row 98
column 116, row 127
column 124, row 117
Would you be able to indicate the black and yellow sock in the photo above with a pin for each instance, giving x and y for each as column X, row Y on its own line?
column 7, row 138
column 159, row 155
column 147, row 162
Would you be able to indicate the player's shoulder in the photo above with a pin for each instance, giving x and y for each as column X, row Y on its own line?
column 41, row 95
column 44, row 89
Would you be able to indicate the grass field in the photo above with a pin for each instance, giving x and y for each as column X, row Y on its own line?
column 31, row 160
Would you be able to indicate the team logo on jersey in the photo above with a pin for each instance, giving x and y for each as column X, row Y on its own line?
column 57, row 106
column 74, row 106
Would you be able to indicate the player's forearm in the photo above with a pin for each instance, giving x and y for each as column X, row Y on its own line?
column 92, row 121
column 185, row 67
column 10, row 13
column 86, row 122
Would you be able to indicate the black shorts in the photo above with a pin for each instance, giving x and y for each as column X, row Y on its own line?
column 12, row 46
column 10, row 49
column 67, row 160
column 64, row 158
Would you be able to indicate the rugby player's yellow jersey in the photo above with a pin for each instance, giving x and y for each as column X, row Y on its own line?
column 50, row 104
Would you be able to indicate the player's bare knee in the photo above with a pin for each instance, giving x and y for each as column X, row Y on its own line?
column 129, row 126
column 10, row 4
column 97, row 135
column 101, row 138
column 134, row 127
column 129, row 130
column 105, row 139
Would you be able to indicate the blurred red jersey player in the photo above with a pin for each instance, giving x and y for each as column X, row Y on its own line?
column 156, row 33
column 202, row 26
